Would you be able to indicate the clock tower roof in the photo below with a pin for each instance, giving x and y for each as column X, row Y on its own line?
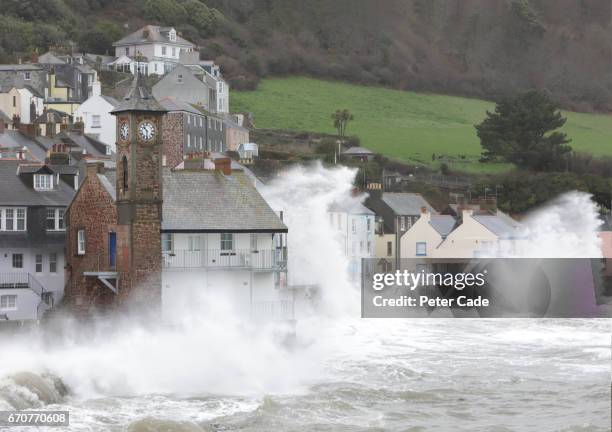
column 139, row 98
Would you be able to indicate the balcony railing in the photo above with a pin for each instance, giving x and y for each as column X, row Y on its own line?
column 275, row 259
column 21, row 280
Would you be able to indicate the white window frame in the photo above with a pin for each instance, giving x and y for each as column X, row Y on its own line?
column 421, row 249
column 27, row 76
column 81, row 242
column 6, row 304
column 167, row 242
column 188, row 141
column 193, row 243
column 226, row 242
column 17, row 215
column 43, row 182
column 96, row 121
column 59, row 223
column 38, row 263
column 53, row 262
column 163, row 50
column 15, row 255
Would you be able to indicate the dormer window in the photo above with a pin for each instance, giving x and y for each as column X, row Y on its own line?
column 172, row 35
column 43, row 181
column 27, row 76
column 179, row 79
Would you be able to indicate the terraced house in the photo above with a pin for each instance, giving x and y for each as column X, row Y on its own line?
column 33, row 199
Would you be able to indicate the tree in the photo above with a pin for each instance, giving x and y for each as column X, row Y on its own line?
column 341, row 119
column 523, row 131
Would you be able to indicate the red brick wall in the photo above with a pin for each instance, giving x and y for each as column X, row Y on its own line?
column 94, row 211
column 173, row 133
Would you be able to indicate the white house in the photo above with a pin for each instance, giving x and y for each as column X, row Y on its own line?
column 152, row 50
column 23, row 102
column 95, row 114
column 353, row 224
column 479, row 233
column 220, row 238
column 426, row 235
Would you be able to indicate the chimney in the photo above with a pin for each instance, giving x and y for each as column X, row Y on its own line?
column 426, row 215
column 224, row 165
column 79, row 126
column 29, row 130
column 58, row 155
column 94, row 168
column 34, row 57
column 96, row 88
column 194, row 161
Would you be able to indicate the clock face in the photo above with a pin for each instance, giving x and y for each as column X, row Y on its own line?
column 146, row 130
column 124, row 131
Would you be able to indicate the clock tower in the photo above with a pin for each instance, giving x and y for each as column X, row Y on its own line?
column 139, row 196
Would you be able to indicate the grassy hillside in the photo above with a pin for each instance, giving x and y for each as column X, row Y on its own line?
column 402, row 125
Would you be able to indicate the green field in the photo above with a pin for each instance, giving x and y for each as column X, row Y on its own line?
column 401, row 125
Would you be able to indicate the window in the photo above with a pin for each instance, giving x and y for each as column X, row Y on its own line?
column 39, row 263
column 361, row 247
column 14, row 101
column 53, row 262
column 8, row 302
column 163, row 50
column 220, row 86
column 188, row 140
column 227, row 241
column 109, row 151
column 402, row 221
column 389, row 248
column 43, row 181
column 172, row 36
column 124, row 164
column 173, row 52
column 179, row 79
column 421, row 249
column 369, row 247
column 201, row 143
column 17, row 260
column 166, row 242
column 95, row 121
column 55, row 219
column 369, row 224
column 209, row 123
column 353, row 225
column 12, row 219
column 127, row 51
column 200, row 121
column 81, row 242
column 188, row 119
column 27, row 76
column 194, row 243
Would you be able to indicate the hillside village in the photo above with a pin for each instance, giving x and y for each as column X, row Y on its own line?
column 113, row 195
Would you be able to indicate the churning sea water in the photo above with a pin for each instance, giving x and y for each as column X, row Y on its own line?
column 347, row 375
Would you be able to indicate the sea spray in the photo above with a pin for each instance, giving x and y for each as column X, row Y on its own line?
column 305, row 193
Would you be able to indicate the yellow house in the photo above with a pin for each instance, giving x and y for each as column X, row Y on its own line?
column 20, row 102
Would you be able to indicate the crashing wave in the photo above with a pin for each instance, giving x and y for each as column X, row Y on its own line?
column 24, row 390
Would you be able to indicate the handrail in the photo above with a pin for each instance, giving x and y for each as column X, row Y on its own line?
column 21, row 280
column 262, row 259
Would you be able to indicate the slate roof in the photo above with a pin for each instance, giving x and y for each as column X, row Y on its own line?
column 174, row 104
column 51, row 115
column 111, row 100
column 351, row 207
column 19, row 67
column 154, row 34
column 14, row 190
column 499, row 224
column 208, row 201
column 139, row 98
column 357, row 151
column 443, row 224
column 108, row 185
column 15, row 139
column 403, row 203
column 50, row 58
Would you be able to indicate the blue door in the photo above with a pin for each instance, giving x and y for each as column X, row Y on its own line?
column 112, row 248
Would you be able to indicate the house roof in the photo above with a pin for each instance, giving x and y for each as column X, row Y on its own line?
column 151, row 34
column 5, row 117
column 19, row 67
column 139, row 98
column 111, row 100
column 51, row 115
column 15, row 190
column 499, row 224
column 50, row 58
column 357, row 151
column 174, row 104
column 443, row 224
column 15, row 139
column 208, row 201
column 350, row 206
column 110, row 187
column 404, row 203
